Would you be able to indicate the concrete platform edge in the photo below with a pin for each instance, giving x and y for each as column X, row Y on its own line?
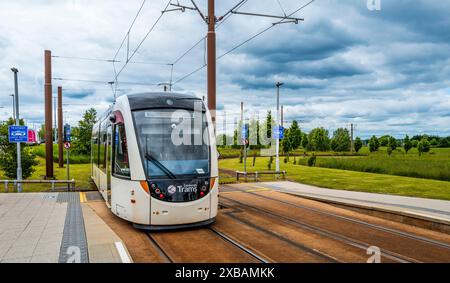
column 104, row 244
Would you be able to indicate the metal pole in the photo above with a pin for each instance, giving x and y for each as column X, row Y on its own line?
column 54, row 119
column 277, row 162
column 16, row 106
column 60, row 130
column 48, row 116
column 68, row 170
column 351, row 138
column 211, row 61
column 245, row 140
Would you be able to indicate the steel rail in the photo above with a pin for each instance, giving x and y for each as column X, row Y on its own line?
column 335, row 236
column 159, row 249
column 374, row 226
column 235, row 243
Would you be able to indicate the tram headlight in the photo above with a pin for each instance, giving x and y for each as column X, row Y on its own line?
column 212, row 183
column 144, row 186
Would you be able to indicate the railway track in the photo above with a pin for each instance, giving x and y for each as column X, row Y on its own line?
column 371, row 225
column 341, row 238
column 314, row 252
column 241, row 247
column 267, row 226
column 180, row 246
column 392, row 253
column 166, row 258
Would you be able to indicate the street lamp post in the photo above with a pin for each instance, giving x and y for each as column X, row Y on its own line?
column 13, row 105
column 277, row 162
column 16, row 112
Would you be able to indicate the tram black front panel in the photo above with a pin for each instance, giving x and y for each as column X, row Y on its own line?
column 179, row 190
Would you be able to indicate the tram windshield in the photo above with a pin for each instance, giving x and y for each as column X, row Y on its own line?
column 173, row 142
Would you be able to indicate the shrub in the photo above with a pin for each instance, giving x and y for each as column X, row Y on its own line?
column 341, row 140
column 407, row 145
column 358, row 144
column 8, row 154
column 389, row 151
column 374, row 144
column 318, row 140
column 392, row 143
column 312, row 161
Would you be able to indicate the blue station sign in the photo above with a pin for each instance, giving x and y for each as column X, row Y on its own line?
column 18, row 134
column 278, row 133
column 67, row 133
column 244, row 132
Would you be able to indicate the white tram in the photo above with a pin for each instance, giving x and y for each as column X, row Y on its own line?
column 154, row 160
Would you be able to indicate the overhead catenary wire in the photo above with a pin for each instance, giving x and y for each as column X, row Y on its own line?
column 229, row 13
column 265, row 30
column 141, row 42
column 246, row 41
column 102, row 82
column 203, row 39
column 189, row 50
column 107, row 60
column 129, row 29
column 84, row 58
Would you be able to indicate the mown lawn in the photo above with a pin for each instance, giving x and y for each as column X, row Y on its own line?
column 433, row 165
column 350, row 180
column 80, row 172
column 39, row 150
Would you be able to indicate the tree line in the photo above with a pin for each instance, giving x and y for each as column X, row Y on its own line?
column 318, row 139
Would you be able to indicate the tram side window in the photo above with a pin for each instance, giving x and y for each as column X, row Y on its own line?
column 121, row 161
column 102, row 151
column 95, row 143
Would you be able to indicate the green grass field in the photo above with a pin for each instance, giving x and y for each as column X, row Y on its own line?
column 39, row 150
column 433, row 165
column 350, row 180
column 80, row 172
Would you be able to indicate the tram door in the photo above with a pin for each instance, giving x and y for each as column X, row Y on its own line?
column 108, row 164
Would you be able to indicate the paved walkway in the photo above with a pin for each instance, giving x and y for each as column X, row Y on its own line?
column 31, row 227
column 436, row 209
column 54, row 227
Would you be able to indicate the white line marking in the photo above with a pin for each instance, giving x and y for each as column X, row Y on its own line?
column 122, row 252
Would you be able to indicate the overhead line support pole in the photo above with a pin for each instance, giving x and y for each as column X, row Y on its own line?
column 48, row 115
column 60, row 129
column 211, row 60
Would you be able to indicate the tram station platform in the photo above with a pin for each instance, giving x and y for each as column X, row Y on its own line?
column 55, row 227
column 426, row 209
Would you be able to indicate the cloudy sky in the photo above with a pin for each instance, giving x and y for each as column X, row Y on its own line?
column 386, row 71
